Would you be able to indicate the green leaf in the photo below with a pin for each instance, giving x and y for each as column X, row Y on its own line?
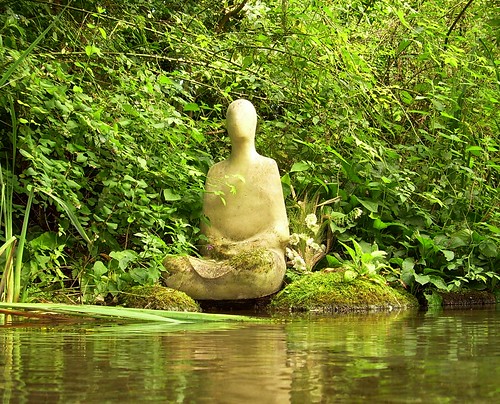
column 30, row 48
column 71, row 215
column 118, row 313
column 350, row 275
column 461, row 238
column 103, row 33
column 422, row 279
column 379, row 224
column 406, row 97
column 333, row 261
column 299, row 166
column 368, row 204
column 438, row 282
column 124, row 257
column 408, row 271
column 170, row 195
column 99, row 269
column 91, row 50
column 164, row 80
column 191, row 106
column 448, row 254
column 7, row 244
column 489, row 248
column 433, row 299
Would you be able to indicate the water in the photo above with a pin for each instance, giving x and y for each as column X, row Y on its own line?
column 408, row 357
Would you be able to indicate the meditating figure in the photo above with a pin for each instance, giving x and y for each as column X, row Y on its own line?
column 247, row 226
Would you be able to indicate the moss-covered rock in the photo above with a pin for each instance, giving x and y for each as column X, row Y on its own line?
column 328, row 292
column 158, row 298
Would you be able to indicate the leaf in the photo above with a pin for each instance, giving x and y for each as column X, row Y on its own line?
column 489, row 248
column 438, row 282
column 118, row 313
column 91, row 50
column 350, row 275
column 197, row 135
column 191, row 106
column 124, row 257
column 449, row 255
column 7, row 244
column 164, row 80
column 433, row 299
column 333, row 261
column 299, row 166
column 30, row 48
column 99, row 269
column 461, row 238
column 368, row 204
column 351, row 251
column 70, row 212
column 379, row 224
column 406, row 97
column 422, row 279
column 407, row 271
column 170, row 195
column 103, row 33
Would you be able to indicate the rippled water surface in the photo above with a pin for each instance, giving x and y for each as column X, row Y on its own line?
column 451, row 356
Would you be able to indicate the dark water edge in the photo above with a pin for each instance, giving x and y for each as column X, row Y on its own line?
column 395, row 357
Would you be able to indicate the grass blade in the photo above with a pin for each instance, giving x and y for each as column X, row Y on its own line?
column 20, row 249
column 128, row 313
column 30, row 48
column 71, row 215
column 7, row 244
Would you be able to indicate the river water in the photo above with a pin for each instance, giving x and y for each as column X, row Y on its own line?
column 405, row 357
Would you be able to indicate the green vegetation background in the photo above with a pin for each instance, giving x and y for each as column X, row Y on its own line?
column 383, row 117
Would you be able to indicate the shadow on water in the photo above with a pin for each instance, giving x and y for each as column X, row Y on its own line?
column 379, row 357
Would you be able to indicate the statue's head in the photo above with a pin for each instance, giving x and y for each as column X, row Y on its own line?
column 241, row 119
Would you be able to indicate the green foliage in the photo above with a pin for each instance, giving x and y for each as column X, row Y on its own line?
column 113, row 113
column 365, row 262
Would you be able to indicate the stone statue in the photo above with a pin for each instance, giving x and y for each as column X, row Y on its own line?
column 247, row 229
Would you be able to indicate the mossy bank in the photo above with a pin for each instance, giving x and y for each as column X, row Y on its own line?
column 328, row 292
column 158, row 298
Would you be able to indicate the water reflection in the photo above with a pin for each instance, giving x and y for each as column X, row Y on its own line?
column 396, row 357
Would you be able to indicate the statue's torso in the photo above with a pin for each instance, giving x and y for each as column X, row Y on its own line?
column 242, row 202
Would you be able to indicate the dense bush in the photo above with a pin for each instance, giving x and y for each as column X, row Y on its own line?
column 113, row 112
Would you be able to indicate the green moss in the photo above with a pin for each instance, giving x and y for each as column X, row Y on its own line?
column 258, row 260
column 158, row 298
column 328, row 292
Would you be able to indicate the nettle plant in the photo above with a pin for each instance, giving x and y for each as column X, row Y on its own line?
column 367, row 262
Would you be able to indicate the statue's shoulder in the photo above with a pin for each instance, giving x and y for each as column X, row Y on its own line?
column 269, row 166
column 218, row 168
column 267, row 161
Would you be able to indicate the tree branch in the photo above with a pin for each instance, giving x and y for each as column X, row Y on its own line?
column 460, row 14
column 231, row 13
